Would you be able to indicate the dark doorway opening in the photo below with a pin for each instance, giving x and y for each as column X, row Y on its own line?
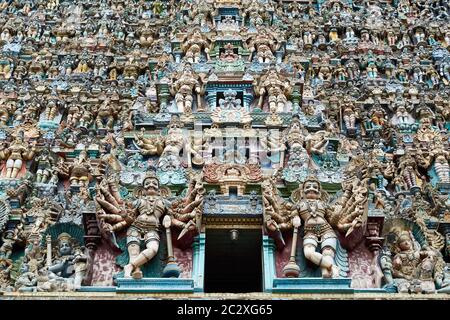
column 233, row 265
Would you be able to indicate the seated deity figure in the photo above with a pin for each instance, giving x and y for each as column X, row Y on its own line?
column 70, row 262
column 148, row 146
column 173, row 145
column 426, row 132
column 413, row 266
column 228, row 55
column 299, row 163
column 402, row 116
column 79, row 171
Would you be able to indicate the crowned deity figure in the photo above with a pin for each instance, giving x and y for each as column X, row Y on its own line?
column 310, row 204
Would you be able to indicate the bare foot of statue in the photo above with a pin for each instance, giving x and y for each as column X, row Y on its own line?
column 335, row 271
column 137, row 274
column 127, row 270
column 326, row 273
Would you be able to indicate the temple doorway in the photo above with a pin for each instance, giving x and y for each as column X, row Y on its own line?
column 233, row 260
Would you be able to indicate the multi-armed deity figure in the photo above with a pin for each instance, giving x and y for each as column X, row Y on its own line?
column 78, row 171
column 169, row 148
column 311, row 204
column 300, row 163
column 141, row 218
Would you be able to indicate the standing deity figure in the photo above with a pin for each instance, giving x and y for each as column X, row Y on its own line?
column 203, row 13
column 15, row 155
column 193, row 45
column 9, row 238
column 5, row 274
column 183, row 89
column 277, row 90
column 7, row 109
column 311, row 205
column 441, row 165
column 438, row 158
column 408, row 171
column 141, row 218
column 264, row 45
column 349, row 115
column 299, row 164
column 45, row 166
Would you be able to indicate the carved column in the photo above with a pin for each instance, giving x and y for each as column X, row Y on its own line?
column 91, row 239
column 444, row 229
column 269, row 268
column 375, row 243
column 198, row 263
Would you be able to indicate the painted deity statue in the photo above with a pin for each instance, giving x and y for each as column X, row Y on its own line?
column 194, row 45
column 15, row 155
column 78, row 171
column 349, row 115
column 46, row 165
column 310, row 203
column 412, row 266
column 70, row 263
column 264, row 46
column 277, row 90
column 141, row 219
column 426, row 133
column 408, row 172
column 183, row 88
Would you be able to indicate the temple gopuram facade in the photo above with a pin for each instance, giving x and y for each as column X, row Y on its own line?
column 198, row 147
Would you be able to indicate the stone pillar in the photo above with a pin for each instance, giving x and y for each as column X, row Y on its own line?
column 269, row 268
column 211, row 99
column 91, row 239
column 198, row 262
column 247, row 99
column 375, row 243
column 444, row 229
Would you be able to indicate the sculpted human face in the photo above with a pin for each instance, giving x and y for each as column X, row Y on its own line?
column 405, row 244
column 151, row 185
column 65, row 248
column 311, row 190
